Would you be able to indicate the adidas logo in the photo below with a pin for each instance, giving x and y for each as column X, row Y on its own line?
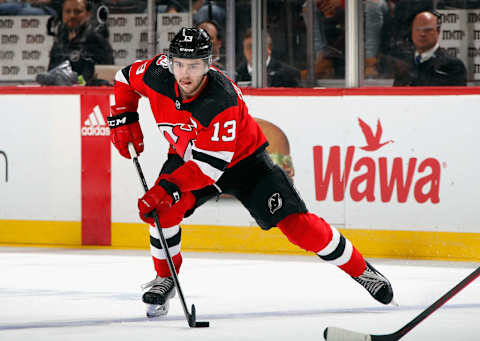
column 95, row 124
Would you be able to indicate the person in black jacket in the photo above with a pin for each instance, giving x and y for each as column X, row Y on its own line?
column 79, row 43
column 429, row 64
column 278, row 74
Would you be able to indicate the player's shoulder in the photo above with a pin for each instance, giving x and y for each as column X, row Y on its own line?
column 221, row 84
column 219, row 95
column 141, row 68
column 157, row 75
column 158, row 63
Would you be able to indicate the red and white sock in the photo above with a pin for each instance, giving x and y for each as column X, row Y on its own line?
column 173, row 237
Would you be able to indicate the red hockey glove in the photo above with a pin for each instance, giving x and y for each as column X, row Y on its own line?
column 125, row 129
column 174, row 215
column 160, row 197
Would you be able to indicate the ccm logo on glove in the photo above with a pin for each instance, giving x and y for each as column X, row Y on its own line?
column 171, row 189
column 122, row 119
column 125, row 129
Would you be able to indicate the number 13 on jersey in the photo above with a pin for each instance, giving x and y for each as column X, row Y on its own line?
column 226, row 133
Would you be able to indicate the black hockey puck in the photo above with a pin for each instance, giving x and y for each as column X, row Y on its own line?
column 202, row 324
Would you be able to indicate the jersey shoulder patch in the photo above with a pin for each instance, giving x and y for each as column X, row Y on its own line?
column 158, row 77
column 161, row 60
column 218, row 96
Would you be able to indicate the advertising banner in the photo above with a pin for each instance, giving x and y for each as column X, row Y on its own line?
column 96, row 197
column 380, row 167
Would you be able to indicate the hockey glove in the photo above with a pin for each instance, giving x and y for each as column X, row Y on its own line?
column 125, row 128
column 160, row 197
column 174, row 215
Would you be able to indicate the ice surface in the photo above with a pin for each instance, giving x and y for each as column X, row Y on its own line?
column 61, row 294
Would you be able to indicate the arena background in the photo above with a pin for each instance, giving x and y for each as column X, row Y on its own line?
column 24, row 51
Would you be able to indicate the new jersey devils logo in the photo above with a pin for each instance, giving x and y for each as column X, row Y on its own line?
column 275, row 202
column 179, row 135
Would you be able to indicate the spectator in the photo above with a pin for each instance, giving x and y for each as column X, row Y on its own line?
column 429, row 65
column 376, row 13
column 278, row 74
column 26, row 7
column 216, row 37
column 79, row 43
column 329, row 39
column 208, row 10
column 170, row 6
column 396, row 45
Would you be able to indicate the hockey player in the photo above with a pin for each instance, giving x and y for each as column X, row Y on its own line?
column 215, row 147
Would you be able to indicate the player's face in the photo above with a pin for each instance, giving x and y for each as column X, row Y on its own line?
column 189, row 74
column 424, row 32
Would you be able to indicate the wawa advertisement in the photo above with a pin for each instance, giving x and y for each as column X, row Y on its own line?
column 383, row 162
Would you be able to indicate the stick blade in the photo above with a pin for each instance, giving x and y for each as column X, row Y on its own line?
column 340, row 334
column 192, row 320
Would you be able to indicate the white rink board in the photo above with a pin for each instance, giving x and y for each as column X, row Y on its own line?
column 41, row 136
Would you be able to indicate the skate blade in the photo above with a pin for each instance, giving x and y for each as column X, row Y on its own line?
column 156, row 310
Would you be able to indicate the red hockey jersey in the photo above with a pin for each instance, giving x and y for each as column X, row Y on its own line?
column 210, row 132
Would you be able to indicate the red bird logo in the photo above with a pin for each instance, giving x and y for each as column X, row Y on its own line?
column 373, row 141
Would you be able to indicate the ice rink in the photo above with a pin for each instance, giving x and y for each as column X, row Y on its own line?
column 88, row 294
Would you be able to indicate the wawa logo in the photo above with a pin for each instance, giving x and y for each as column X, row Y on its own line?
column 95, row 124
column 366, row 176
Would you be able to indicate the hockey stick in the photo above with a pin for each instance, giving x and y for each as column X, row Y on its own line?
column 339, row 334
column 191, row 317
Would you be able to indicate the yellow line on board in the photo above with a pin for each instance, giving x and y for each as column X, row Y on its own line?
column 416, row 244
column 205, row 238
column 68, row 233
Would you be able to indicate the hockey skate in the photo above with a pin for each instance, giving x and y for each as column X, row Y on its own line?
column 157, row 297
column 376, row 284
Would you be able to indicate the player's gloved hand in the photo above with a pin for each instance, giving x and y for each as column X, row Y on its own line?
column 160, row 197
column 125, row 129
column 174, row 215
